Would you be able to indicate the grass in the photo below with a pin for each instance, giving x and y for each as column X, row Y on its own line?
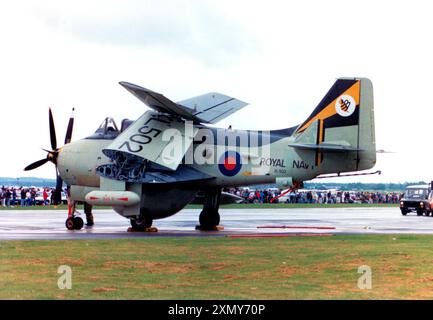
column 220, row 268
column 232, row 206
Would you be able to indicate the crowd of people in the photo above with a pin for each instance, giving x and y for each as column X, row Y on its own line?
column 25, row 196
column 274, row 195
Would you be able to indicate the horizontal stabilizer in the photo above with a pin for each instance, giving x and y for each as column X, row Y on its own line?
column 325, row 147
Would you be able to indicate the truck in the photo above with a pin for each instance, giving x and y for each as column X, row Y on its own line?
column 417, row 199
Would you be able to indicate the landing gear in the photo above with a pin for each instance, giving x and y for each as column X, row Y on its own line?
column 142, row 222
column 89, row 216
column 209, row 217
column 73, row 222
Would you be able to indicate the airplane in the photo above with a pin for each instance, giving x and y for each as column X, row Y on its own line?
column 152, row 167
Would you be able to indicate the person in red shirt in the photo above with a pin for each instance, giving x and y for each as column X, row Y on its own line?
column 45, row 196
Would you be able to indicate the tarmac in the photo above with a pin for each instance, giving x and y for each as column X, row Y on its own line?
column 49, row 224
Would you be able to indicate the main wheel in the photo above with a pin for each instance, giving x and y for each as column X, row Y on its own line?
column 140, row 225
column 404, row 212
column 142, row 222
column 209, row 218
column 419, row 213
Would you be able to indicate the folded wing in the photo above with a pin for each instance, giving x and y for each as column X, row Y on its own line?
column 156, row 137
column 163, row 137
column 208, row 108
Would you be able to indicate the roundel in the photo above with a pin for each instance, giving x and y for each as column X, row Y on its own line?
column 230, row 163
column 345, row 105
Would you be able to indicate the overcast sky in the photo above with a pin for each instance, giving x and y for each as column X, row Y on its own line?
column 280, row 56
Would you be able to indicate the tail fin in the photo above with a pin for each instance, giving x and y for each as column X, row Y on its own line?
column 343, row 122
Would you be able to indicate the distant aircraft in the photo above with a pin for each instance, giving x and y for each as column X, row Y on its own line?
column 153, row 167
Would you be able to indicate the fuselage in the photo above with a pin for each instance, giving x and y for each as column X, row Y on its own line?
column 262, row 157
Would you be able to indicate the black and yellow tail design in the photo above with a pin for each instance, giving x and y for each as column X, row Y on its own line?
column 343, row 122
column 339, row 107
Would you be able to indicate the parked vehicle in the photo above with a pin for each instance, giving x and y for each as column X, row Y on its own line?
column 416, row 199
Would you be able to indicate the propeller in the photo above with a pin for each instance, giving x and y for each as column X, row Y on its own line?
column 53, row 155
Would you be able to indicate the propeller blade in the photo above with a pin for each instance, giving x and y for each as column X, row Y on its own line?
column 52, row 131
column 36, row 164
column 59, row 183
column 68, row 136
column 57, row 193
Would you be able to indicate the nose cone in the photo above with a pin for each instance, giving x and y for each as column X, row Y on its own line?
column 64, row 160
column 78, row 160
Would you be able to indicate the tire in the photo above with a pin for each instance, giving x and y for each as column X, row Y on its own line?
column 404, row 212
column 69, row 223
column 208, row 219
column 141, row 222
column 78, row 223
column 419, row 213
column 136, row 226
column 140, row 225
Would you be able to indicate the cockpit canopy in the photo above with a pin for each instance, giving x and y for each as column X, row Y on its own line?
column 108, row 126
column 109, row 130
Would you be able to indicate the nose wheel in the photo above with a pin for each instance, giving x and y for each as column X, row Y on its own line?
column 74, row 223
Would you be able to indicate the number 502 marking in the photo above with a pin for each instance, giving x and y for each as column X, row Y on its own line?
column 141, row 138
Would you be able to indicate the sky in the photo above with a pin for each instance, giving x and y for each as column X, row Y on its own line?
column 279, row 56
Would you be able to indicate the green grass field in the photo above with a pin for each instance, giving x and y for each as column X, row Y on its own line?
column 220, row 268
